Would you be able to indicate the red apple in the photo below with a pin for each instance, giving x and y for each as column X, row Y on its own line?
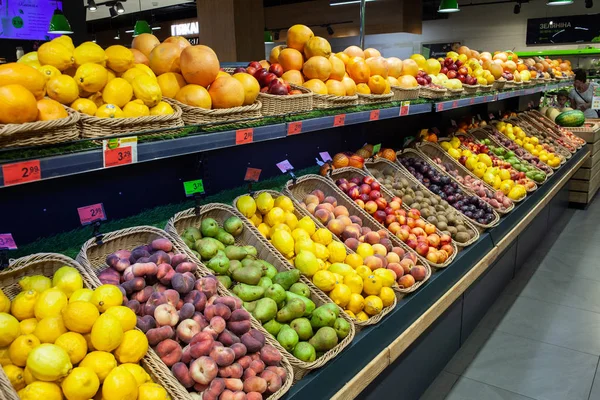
column 265, row 80
column 364, row 188
column 256, row 65
column 368, row 180
column 375, row 185
column 422, row 248
column 379, row 216
column 375, row 194
column 277, row 69
column 390, row 211
column 240, row 69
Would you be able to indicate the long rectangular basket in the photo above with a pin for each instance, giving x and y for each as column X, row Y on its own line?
column 304, row 185
column 92, row 257
column 389, row 168
column 350, row 172
column 249, row 236
column 197, row 116
column 301, row 213
column 427, row 92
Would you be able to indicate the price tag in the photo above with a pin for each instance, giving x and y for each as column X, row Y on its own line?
column 440, row 106
column 193, row 187
column 26, row 171
column 294, row 128
column 404, row 108
column 325, row 156
column 284, row 166
column 491, row 116
column 88, row 214
column 243, row 136
column 472, row 100
column 252, row 174
column 453, row 122
column 495, row 97
column 374, row 116
column 455, row 104
column 7, row 241
column 339, row 120
column 376, row 148
column 121, row 151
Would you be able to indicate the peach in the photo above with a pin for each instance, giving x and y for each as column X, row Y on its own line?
column 397, row 268
column 186, row 357
column 254, row 340
column 200, row 319
column 372, row 238
column 418, row 232
column 255, row 384
column 399, row 251
column 420, row 223
column 311, row 208
column 414, row 213
column 273, row 380
column 347, row 221
column 392, row 257
column 204, row 370
column 197, row 299
column 248, row 373
column 143, row 295
column 216, row 326
column 239, row 349
column 383, row 233
column 215, row 388
column 234, row 384
column 418, row 272
column 379, row 249
column 394, row 227
column 360, row 203
column 442, row 256
column 166, row 314
column 232, row 302
column 218, row 309
column 433, row 257
column 208, row 285
column 331, row 200
column 448, row 249
column 145, row 323
column 407, row 264
column 406, row 281
column 325, row 206
column 311, row 199
column 280, row 371
column 169, row 352
column 387, row 243
column 356, row 220
column 340, row 210
column 245, row 361
column 411, row 256
column 182, row 373
column 351, row 232
column 258, row 366
column 234, row 370
column 336, row 226
column 352, row 243
column 320, row 195
column 323, row 216
column 370, row 206
column 223, row 356
column 182, row 283
column 270, row 355
column 186, row 311
column 434, row 240
column 253, row 396
column 178, row 259
column 187, row 329
column 228, row 338
column 402, row 234
column 239, row 327
column 373, row 262
column 200, row 349
column 422, row 248
column 157, row 335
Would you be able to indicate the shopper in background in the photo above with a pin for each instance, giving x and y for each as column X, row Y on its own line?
column 581, row 95
column 562, row 100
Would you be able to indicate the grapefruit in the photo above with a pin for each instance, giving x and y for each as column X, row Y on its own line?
column 199, row 65
column 178, row 40
column 371, row 52
column 139, row 57
column 251, row 87
column 393, row 81
column 377, row 84
column 496, row 70
column 316, row 85
column 464, row 50
column 49, row 110
column 410, row 67
column 338, row 69
column 165, row 58
column 335, row 88
column 394, row 67
column 419, row 59
column 226, row 93
column 354, row 51
column 344, row 57
column 317, row 46
column 145, row 43
column 378, row 66
column 359, row 71
column 195, row 96
column 297, row 36
column 407, row 82
column 170, row 83
column 274, row 55
column 24, row 75
column 317, row 67
column 350, row 86
column 294, row 77
column 18, row 105
column 363, row 88
column 290, row 59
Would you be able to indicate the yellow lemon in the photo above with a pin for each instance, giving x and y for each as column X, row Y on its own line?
column 298, row 233
column 354, row 282
column 340, row 294
column 131, row 74
column 455, row 142
column 264, row 202
column 125, row 315
column 246, row 205
column 85, row 106
column 354, row 260
column 89, row 52
column 285, row 203
column 446, row 145
column 106, row 296
column 28, row 325
column 341, row 268
column 152, row 391
column 263, row 229
column 363, row 271
column 67, row 279
column 49, row 329
column 307, row 224
column 120, row 384
column 28, row 377
column 136, row 108
column 79, row 316
column 278, row 227
column 109, row 111
column 284, row 243
column 471, row 163
column 23, row 305
column 274, row 216
column 306, row 262
column 48, row 362
column 4, row 358
column 81, row 384
column 362, row 316
column 83, row 294
column 356, row 303
column 9, row 329
column 119, row 58
column 118, row 92
column 256, row 219
column 147, row 70
column 373, row 305
column 305, row 244
column 63, row 89
column 484, row 158
column 133, row 347
column 49, row 71
column 91, row 77
column 322, row 264
column 107, row 333
column 454, row 153
column 387, row 296
column 139, row 373
column 337, row 252
column 504, row 174
column 74, row 344
column 162, row 108
column 365, row 250
column 322, row 236
column 21, row 347
column 55, row 54
column 350, row 314
column 147, row 89
column 65, row 41
column 372, row 285
column 41, row 390
column 321, row 251
column 4, row 302
column 29, row 58
column 101, row 362
column 324, row 280
column 15, row 376
column 291, row 220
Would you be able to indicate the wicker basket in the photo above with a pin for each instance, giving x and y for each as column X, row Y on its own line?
column 562, row 152
column 556, row 131
column 389, row 168
column 452, row 93
column 197, row 116
column 499, row 84
column 512, row 85
column 250, row 236
column 546, row 135
column 322, row 101
column 40, row 133
column 426, row 92
column 350, row 172
column 471, row 89
column 401, row 94
column 485, row 88
column 301, row 213
column 431, row 150
column 279, row 105
column 375, row 98
column 92, row 257
column 307, row 183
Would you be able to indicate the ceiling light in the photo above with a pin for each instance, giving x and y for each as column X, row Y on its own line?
column 345, row 2
column 113, row 12
column 118, row 35
column 448, row 6
column 119, row 7
column 517, row 9
column 59, row 24
column 91, row 5
column 559, row 2
column 589, row 3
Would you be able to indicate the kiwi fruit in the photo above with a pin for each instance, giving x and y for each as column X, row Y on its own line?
column 461, row 228
column 442, row 226
column 432, row 219
column 453, row 231
column 462, row 237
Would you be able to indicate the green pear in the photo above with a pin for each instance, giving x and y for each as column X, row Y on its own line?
column 265, row 309
column 322, row 317
column 287, row 338
column 341, row 327
column 325, row 339
column 310, row 305
column 300, row 289
column 304, row 351
column 287, row 278
column 265, row 282
column 248, row 292
column 276, row 292
column 302, row 327
column 209, row 227
column 233, row 225
column 273, row 327
column 292, row 310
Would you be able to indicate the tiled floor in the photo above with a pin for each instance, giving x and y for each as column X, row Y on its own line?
column 541, row 339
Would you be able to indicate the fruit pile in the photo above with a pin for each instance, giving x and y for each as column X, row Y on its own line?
column 470, row 206
column 269, row 77
column 531, row 172
column 61, row 339
column 276, row 299
column 207, row 340
column 397, row 220
column 545, row 152
column 519, row 151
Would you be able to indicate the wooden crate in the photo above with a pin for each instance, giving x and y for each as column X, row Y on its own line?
column 584, row 184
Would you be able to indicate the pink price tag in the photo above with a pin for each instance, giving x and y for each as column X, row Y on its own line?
column 472, row 101
column 404, row 108
column 325, row 156
column 284, row 166
column 339, row 120
column 88, row 214
column 374, row 116
column 26, row 171
column 455, row 104
column 7, row 241
column 440, row 106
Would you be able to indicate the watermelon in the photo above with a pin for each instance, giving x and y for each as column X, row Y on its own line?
column 570, row 118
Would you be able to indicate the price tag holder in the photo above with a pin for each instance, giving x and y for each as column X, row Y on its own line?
column 252, row 174
column 89, row 214
column 22, row 172
column 440, row 107
column 193, row 188
column 325, row 156
column 455, row 104
column 7, row 241
column 472, row 100
column 339, row 120
column 404, row 108
column 376, row 148
column 294, row 128
column 244, row 136
column 122, row 151
column 491, row 116
column 453, row 123
column 374, row 116
column 284, row 166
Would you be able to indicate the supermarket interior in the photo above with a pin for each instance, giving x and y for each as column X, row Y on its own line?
column 299, row 199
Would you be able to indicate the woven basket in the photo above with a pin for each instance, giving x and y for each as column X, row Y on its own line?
column 499, row 84
column 389, row 168
column 431, row 150
column 401, row 94
column 485, row 88
column 564, row 153
column 350, row 172
column 375, row 98
column 250, row 236
column 556, row 131
column 92, row 257
column 546, row 135
column 94, row 127
column 322, row 101
column 451, row 93
column 471, row 89
column 279, row 105
column 543, row 120
column 512, row 85
column 426, row 92
column 301, row 213
column 414, row 153
column 307, row 183
column 40, row 133
column 197, row 116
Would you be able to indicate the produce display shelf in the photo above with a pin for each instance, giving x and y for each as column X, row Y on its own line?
column 377, row 347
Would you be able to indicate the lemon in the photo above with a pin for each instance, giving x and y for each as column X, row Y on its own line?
column 337, row 252
column 454, row 153
column 49, row 329
column 387, row 276
column 264, row 202
column 354, row 282
column 147, row 89
column 263, row 229
column 29, row 58
column 363, row 271
column 373, row 305
column 50, row 303
column 275, row 216
column 118, row 92
column 4, row 358
column 74, row 344
column 106, row 296
column 299, row 233
column 65, row 41
column 84, row 294
column 246, row 205
column 56, row 54
column 291, row 220
column 284, row 243
column 48, row 362
column 324, row 280
column 91, row 77
column 455, row 142
column 285, row 203
column 365, row 250
column 101, row 362
column 41, row 390
column 147, row 70
column 109, row 111
column 372, row 285
column 21, row 347
column 85, row 106
column 126, row 316
column 28, row 325
column 23, row 304
column 278, row 227
column 131, row 74
column 67, row 279
column 139, row 373
column 341, row 268
column 307, row 225
column 27, row 376
column 350, row 314
column 120, row 384
column 152, row 391
column 136, row 108
column 504, row 174
column 81, row 384
column 387, row 296
column 340, row 294
column 256, row 219
column 322, row 236
column 119, row 58
column 63, row 89
column 133, row 347
column 362, row 316
column 15, row 376
column 305, row 244
column 307, row 263
column 89, row 52
column 9, row 329
column 39, row 283
column 107, row 333
column 321, row 251
column 356, row 303
column 162, row 108
column 354, row 260
column 4, row 302
column 322, row 265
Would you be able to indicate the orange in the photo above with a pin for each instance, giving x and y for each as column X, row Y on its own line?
column 410, row 67
column 293, row 76
column 291, row 59
column 359, row 71
column 24, row 75
column 343, row 56
column 165, row 58
column 388, row 87
column 170, row 83
column 317, row 67
column 226, row 93
column 335, row 88
column 350, row 86
column 49, row 109
column 199, row 65
column 274, row 55
column 338, row 68
column 297, row 36
column 145, row 43
column 316, row 85
column 251, row 87
column 363, row 88
column 377, row 84
column 195, row 96
column 354, row 51
column 18, row 105
column 139, row 57
column 378, row 66
column 317, row 46
column 371, row 52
